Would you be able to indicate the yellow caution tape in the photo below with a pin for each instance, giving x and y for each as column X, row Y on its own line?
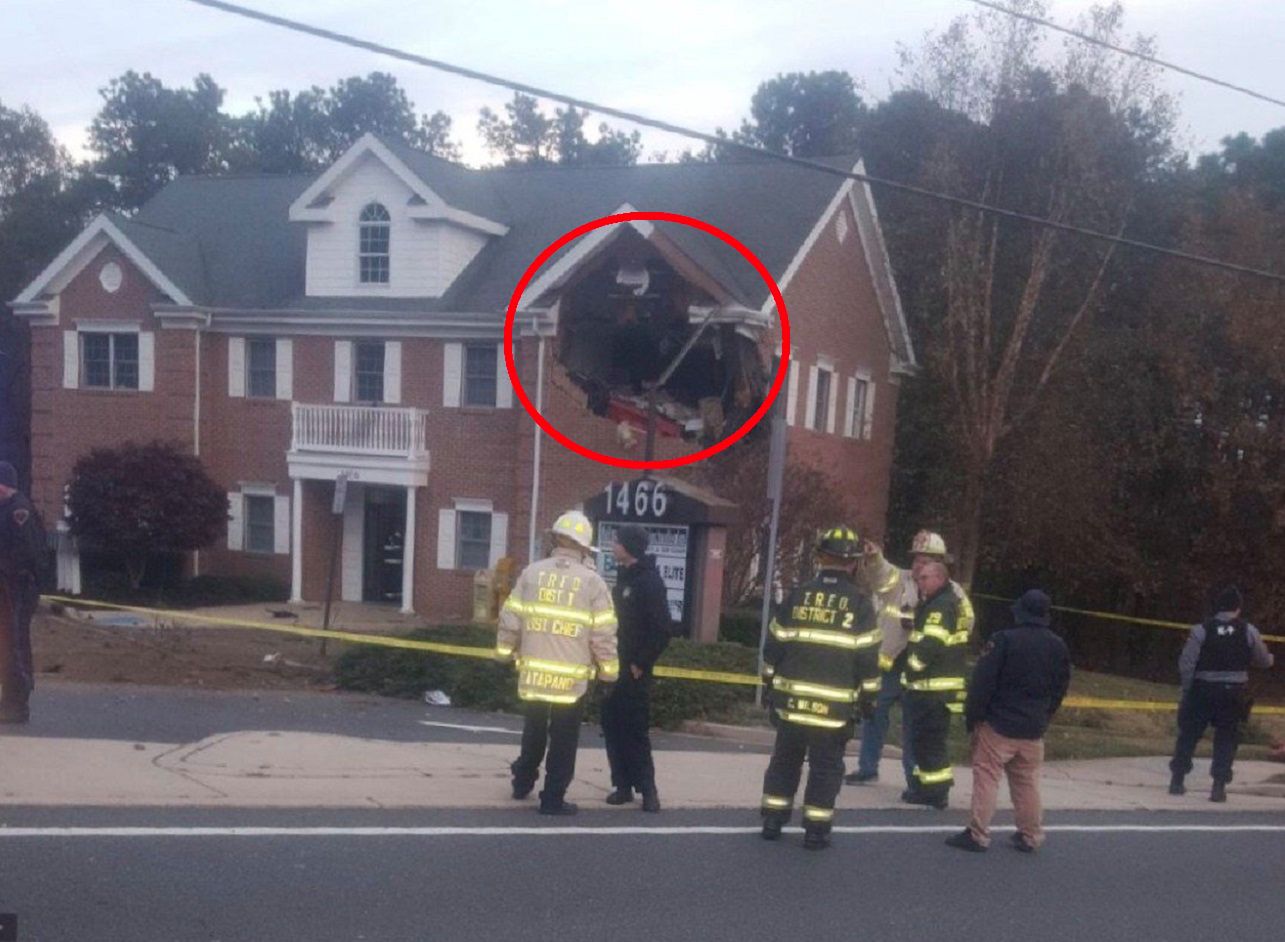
column 661, row 670
column 1111, row 616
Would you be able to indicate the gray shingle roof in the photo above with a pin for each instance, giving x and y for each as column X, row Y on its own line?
column 229, row 242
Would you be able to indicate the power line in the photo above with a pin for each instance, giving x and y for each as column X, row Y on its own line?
column 668, row 127
column 1089, row 38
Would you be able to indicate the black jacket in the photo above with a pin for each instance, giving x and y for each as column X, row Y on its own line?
column 22, row 537
column 1019, row 681
column 642, row 612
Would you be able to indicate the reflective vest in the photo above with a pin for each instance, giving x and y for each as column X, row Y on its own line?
column 559, row 627
column 935, row 657
column 823, row 652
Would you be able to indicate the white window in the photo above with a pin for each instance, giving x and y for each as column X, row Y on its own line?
column 261, row 367
column 368, row 371
column 258, row 520
column 854, row 421
column 109, row 361
column 822, row 403
column 471, row 536
column 480, row 364
column 475, row 375
column 373, row 245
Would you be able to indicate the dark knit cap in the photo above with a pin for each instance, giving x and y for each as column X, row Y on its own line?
column 634, row 539
column 1228, row 599
column 1032, row 608
column 8, row 475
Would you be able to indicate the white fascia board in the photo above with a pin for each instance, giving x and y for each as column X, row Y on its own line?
column 81, row 252
column 876, row 250
column 585, row 248
column 806, row 248
column 302, row 210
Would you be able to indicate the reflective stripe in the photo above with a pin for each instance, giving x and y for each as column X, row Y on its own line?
column 503, row 650
column 768, row 670
column 548, row 697
column 891, row 611
column 814, row 690
column 890, row 583
column 916, row 636
column 771, row 801
column 872, row 685
column 937, row 683
column 934, row 778
column 609, row 669
column 836, row 639
column 556, row 667
column 577, row 615
column 886, row 663
column 807, row 719
column 955, row 707
column 947, row 638
column 513, row 604
column 812, row 813
column 602, row 619
column 915, row 664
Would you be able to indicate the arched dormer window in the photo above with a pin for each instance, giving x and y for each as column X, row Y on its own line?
column 372, row 251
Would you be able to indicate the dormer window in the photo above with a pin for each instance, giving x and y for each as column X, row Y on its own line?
column 372, row 254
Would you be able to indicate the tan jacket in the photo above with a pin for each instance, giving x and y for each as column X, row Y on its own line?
column 559, row 625
column 896, row 597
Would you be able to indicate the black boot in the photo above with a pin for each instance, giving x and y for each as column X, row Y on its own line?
column 651, row 800
column 772, row 825
column 816, row 836
column 1219, row 794
column 621, row 796
column 1176, row 787
column 563, row 808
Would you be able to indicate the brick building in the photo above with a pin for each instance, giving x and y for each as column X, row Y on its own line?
column 290, row 328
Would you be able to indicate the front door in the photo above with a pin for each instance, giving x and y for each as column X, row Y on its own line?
column 385, row 538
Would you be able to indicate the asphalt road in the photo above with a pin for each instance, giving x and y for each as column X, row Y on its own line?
column 181, row 715
column 591, row 884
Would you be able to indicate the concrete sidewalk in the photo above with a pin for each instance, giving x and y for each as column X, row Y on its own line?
column 272, row 769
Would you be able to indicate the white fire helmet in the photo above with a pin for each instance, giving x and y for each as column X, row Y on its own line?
column 575, row 526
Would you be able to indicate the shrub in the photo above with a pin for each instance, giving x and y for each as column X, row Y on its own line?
column 485, row 685
column 740, row 626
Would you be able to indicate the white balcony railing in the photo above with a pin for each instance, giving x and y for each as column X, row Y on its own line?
column 363, row 430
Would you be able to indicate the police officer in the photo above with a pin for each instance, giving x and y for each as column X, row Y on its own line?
column 642, row 610
column 935, row 683
column 1214, row 669
column 22, row 553
column 559, row 626
column 821, row 665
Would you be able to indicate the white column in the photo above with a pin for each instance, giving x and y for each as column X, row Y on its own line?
column 408, row 555
column 296, row 543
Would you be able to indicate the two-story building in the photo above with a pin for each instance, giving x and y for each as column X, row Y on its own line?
column 290, row 329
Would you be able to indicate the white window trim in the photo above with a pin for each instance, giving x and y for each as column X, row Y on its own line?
column 280, row 511
column 245, row 367
column 146, row 356
column 857, row 426
column 472, row 505
column 503, row 390
column 109, row 327
column 824, row 364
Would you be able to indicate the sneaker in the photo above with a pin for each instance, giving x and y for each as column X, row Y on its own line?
column 964, row 840
column 815, row 839
column 1176, row 787
column 621, row 796
column 1219, row 793
column 861, row 778
column 563, row 808
column 651, row 801
column 1020, row 843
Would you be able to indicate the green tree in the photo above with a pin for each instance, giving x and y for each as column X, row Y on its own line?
column 137, row 501
column 526, row 136
column 146, row 134
column 804, row 114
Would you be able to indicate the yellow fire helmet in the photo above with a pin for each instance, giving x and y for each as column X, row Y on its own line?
column 575, row 526
column 927, row 543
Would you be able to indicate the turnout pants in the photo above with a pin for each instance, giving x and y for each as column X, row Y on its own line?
column 995, row 755
column 1224, row 706
column 626, row 724
column 823, row 749
column 18, row 598
column 929, row 727
column 552, row 728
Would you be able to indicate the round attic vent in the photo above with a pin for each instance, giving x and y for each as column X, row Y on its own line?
column 110, row 277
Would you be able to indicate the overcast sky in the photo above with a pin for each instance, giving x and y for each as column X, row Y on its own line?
column 695, row 62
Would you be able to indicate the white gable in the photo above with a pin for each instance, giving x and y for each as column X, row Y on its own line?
column 425, row 255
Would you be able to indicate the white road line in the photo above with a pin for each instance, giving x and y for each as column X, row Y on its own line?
column 472, row 729
column 11, row 832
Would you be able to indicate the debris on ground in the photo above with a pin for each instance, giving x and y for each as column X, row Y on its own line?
column 437, row 698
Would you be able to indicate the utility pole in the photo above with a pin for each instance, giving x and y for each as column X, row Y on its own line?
column 775, row 487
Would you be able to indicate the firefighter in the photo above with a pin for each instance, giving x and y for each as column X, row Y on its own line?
column 935, row 683
column 821, row 666
column 559, row 627
column 895, row 598
column 22, row 554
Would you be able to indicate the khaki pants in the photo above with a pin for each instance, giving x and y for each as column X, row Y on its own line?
column 993, row 756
